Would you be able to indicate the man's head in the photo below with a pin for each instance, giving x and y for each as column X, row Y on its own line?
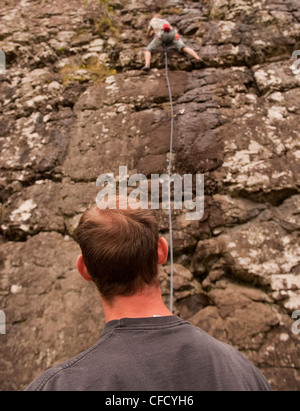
column 157, row 16
column 120, row 249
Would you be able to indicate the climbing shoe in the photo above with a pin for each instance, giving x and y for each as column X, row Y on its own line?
column 146, row 68
column 198, row 64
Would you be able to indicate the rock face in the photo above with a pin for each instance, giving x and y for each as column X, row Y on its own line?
column 74, row 104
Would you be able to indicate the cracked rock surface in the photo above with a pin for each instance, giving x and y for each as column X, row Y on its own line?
column 75, row 104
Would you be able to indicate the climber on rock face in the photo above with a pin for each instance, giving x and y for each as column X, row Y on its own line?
column 164, row 33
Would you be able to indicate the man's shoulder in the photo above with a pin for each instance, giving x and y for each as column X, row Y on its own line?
column 39, row 383
column 48, row 379
column 230, row 361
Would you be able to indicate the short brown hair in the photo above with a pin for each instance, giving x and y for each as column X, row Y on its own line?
column 119, row 249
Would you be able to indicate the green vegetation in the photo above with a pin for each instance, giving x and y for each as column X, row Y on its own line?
column 86, row 71
column 174, row 10
column 105, row 23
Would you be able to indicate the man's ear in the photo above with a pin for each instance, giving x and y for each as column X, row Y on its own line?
column 82, row 269
column 162, row 251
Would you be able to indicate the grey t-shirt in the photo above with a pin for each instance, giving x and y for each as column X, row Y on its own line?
column 154, row 354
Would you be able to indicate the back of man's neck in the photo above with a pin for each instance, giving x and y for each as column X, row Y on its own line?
column 147, row 303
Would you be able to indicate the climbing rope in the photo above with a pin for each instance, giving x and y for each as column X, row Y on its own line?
column 169, row 174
